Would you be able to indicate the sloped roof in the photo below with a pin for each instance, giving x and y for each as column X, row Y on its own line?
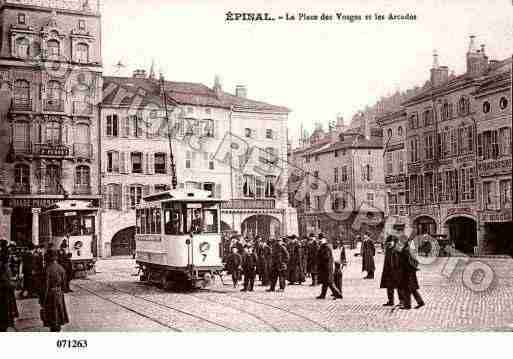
column 183, row 93
column 460, row 80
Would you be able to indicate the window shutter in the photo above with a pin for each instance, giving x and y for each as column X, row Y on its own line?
column 122, row 163
column 104, row 197
column 217, row 192
column 480, row 145
column 124, row 130
column 126, row 197
column 144, row 164
column 104, row 162
column 146, row 190
column 151, row 163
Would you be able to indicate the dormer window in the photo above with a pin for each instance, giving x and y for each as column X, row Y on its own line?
column 82, row 53
column 22, row 19
column 53, row 47
column 81, row 24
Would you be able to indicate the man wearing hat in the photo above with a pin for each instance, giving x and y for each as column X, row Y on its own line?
column 54, row 307
column 249, row 265
column 312, row 248
column 325, row 269
column 27, row 269
column 279, row 261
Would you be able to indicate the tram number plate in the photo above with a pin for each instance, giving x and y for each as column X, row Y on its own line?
column 70, row 214
column 193, row 205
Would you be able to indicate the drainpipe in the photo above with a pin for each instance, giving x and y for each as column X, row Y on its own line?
column 231, row 168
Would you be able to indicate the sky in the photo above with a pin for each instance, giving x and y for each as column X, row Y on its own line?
column 318, row 69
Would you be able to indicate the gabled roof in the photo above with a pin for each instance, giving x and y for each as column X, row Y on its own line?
column 182, row 93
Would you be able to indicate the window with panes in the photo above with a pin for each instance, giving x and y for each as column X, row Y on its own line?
column 505, row 193
column 467, row 183
column 343, row 175
column 53, row 132
column 136, row 159
column 112, row 125
column 389, row 163
column 22, row 175
column 248, row 185
column 429, row 191
column 82, row 176
column 113, row 196
column 489, row 195
column 135, row 195
column 429, row 146
column 113, row 161
column 160, row 163
column 270, row 183
column 465, row 140
column 335, row 175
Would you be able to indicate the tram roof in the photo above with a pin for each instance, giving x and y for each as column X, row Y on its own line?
column 178, row 195
column 72, row 205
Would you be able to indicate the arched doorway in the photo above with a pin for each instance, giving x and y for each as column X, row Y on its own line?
column 463, row 233
column 261, row 225
column 123, row 242
column 424, row 224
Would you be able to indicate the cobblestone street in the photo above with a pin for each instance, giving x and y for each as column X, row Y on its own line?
column 114, row 300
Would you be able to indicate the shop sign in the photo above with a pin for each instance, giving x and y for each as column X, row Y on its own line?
column 495, row 216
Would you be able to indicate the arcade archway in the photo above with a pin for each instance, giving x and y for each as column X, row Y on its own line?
column 123, row 242
column 463, row 233
column 261, row 225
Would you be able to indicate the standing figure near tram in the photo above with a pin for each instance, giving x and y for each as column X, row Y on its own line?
column 54, row 310
column 8, row 307
column 296, row 275
column 233, row 264
column 28, row 271
column 368, row 253
column 391, row 274
column 65, row 261
column 38, row 271
column 325, row 269
column 313, row 249
column 279, row 261
column 408, row 283
column 249, row 265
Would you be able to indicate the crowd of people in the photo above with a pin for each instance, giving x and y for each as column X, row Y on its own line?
column 35, row 272
column 285, row 260
column 293, row 260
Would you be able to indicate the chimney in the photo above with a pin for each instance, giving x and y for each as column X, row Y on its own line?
column 477, row 61
column 139, row 74
column 241, row 91
column 217, row 84
column 439, row 74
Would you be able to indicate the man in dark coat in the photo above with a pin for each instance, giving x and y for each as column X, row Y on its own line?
column 390, row 276
column 54, row 306
column 263, row 255
column 249, row 265
column 368, row 253
column 279, row 260
column 65, row 262
column 27, row 265
column 8, row 307
column 38, row 271
column 408, row 283
column 313, row 248
column 233, row 264
column 295, row 262
column 325, row 269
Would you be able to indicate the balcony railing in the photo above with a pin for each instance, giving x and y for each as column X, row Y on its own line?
column 249, row 204
column 83, row 150
column 82, row 108
column 21, row 147
column 21, row 188
column 22, row 104
column 53, row 150
column 52, row 188
column 53, row 105
column 82, row 189
column 398, row 209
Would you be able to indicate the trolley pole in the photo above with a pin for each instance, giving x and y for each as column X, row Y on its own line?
column 174, row 181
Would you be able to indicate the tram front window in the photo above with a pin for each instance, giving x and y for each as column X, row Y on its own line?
column 72, row 226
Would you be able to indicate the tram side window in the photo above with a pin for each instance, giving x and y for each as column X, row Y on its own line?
column 88, row 228
column 210, row 220
column 194, row 220
column 172, row 221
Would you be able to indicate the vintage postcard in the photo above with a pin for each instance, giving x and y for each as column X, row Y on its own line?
column 261, row 166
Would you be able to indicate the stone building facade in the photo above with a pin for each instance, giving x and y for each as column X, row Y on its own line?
column 458, row 154
column 50, row 84
column 136, row 154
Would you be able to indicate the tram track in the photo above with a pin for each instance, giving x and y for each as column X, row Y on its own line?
column 235, row 307
column 127, row 308
column 155, row 303
column 301, row 316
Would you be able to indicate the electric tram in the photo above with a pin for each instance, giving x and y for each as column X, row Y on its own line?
column 178, row 238
column 73, row 222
